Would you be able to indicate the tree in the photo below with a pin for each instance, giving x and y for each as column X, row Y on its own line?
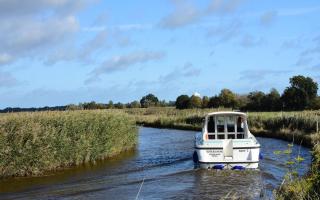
column 119, row 105
column 110, row 104
column 149, row 100
column 90, row 106
column 182, row 102
column 300, row 94
column 242, row 101
column 134, row 104
column 195, row 102
column 227, row 98
column 315, row 103
column 205, row 101
column 255, row 101
column 214, row 102
column 272, row 101
column 294, row 99
column 73, row 107
column 93, row 105
column 305, row 84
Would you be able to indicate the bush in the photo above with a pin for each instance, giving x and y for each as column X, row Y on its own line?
column 182, row 102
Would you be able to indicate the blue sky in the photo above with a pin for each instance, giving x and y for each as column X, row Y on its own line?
column 61, row 52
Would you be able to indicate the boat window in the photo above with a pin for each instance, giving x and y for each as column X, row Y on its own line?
column 230, row 124
column 240, row 136
column 231, row 136
column 220, row 124
column 211, row 137
column 211, row 125
column 240, row 124
column 220, row 137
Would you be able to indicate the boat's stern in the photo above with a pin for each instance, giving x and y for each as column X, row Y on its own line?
column 228, row 153
column 226, row 142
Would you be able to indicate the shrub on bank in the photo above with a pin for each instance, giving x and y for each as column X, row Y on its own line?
column 33, row 143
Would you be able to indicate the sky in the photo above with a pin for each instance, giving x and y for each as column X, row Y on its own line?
column 57, row 52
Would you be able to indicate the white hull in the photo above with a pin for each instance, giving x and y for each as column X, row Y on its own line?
column 228, row 153
column 243, row 158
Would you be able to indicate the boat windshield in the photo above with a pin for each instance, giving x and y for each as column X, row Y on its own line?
column 225, row 127
column 230, row 121
column 220, row 124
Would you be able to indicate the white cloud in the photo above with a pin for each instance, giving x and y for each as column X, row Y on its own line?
column 188, row 70
column 94, row 28
column 36, row 28
column 17, row 8
column 223, row 6
column 186, row 12
column 118, row 63
column 225, row 32
column 131, row 27
column 268, row 18
column 96, row 43
column 84, row 53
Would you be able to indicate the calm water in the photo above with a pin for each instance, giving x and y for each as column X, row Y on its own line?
column 162, row 165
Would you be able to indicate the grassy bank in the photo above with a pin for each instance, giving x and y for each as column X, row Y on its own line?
column 297, row 126
column 33, row 143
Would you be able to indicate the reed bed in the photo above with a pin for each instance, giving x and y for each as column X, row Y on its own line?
column 34, row 143
column 305, row 122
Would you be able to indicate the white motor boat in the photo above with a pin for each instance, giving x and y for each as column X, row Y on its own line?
column 226, row 143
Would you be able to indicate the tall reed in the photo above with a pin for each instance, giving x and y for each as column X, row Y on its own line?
column 33, row 143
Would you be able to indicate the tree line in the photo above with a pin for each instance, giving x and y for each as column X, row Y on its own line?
column 149, row 100
column 300, row 95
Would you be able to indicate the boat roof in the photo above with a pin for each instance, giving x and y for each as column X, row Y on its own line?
column 227, row 113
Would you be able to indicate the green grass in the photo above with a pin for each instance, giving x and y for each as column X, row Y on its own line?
column 34, row 143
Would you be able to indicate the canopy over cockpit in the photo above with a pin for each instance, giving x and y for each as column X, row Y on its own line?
column 225, row 125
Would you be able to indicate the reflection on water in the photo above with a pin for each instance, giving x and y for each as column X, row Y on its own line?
column 163, row 159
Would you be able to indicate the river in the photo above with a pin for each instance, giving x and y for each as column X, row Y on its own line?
column 160, row 167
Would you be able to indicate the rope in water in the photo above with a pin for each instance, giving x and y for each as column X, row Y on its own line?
column 139, row 189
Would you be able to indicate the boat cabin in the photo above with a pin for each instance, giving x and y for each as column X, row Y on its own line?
column 225, row 125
